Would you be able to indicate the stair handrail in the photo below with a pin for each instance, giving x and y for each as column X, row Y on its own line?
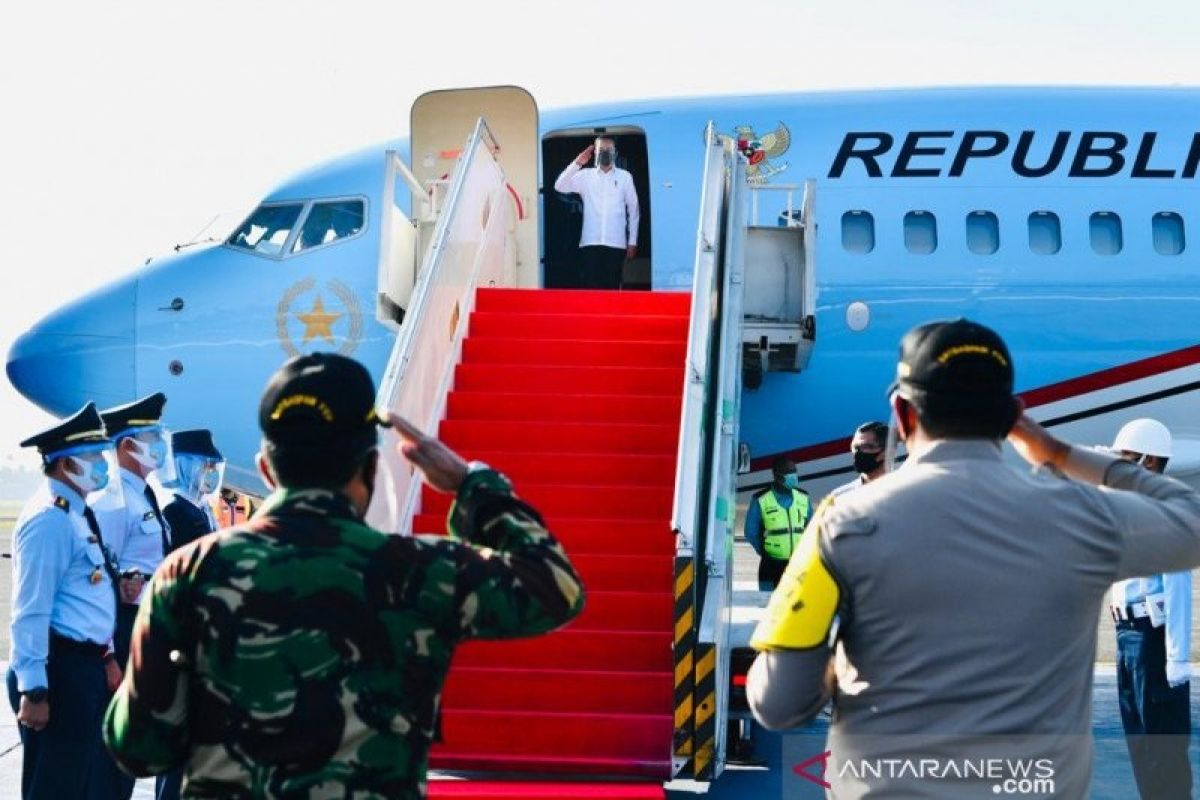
column 462, row 254
column 686, row 520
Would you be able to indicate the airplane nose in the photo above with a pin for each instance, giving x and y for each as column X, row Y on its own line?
column 83, row 351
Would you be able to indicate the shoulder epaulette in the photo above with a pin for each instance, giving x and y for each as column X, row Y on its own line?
column 62, row 503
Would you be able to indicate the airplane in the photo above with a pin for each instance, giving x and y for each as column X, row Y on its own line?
column 1057, row 215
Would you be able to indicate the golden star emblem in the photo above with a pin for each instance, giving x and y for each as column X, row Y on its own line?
column 318, row 322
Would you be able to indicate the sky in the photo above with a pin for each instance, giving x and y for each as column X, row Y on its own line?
column 128, row 126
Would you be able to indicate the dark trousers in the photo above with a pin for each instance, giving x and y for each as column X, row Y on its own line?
column 58, row 759
column 110, row 782
column 601, row 267
column 770, row 570
column 1156, row 717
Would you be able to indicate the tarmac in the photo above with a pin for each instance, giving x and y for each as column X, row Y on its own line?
column 1113, row 779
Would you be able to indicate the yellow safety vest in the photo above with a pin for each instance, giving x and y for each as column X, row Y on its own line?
column 782, row 526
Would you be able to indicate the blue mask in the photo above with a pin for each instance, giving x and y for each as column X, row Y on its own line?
column 791, row 481
column 93, row 474
column 158, row 451
column 209, row 482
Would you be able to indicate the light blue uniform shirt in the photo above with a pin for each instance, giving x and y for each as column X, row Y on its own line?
column 1177, row 586
column 136, row 537
column 56, row 562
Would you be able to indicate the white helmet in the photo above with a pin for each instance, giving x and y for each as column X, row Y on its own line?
column 1146, row 436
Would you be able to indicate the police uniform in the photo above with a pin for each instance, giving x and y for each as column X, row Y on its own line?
column 957, row 597
column 372, row 618
column 774, row 524
column 141, row 539
column 63, row 611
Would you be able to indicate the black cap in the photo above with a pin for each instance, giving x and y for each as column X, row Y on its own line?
column 321, row 400
column 138, row 414
column 959, row 360
column 197, row 443
column 84, row 427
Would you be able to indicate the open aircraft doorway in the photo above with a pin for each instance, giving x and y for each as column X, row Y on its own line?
column 563, row 213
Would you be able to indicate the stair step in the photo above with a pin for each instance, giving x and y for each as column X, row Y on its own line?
column 577, row 326
column 658, row 768
column 553, row 381
column 468, row 436
column 575, row 352
column 598, row 469
column 589, row 536
column 580, row 691
column 537, row 790
column 637, row 651
column 624, row 572
column 584, row 302
column 627, row 611
column 497, row 406
column 635, row 737
column 578, row 501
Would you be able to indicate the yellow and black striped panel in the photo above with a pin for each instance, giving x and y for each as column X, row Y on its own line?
column 684, row 644
column 705, row 731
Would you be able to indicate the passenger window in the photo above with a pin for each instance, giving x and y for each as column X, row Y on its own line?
column 328, row 222
column 858, row 232
column 267, row 229
column 1168, row 233
column 983, row 233
column 1106, row 233
column 920, row 232
column 1045, row 233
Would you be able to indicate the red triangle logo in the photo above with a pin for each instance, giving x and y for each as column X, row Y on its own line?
column 803, row 769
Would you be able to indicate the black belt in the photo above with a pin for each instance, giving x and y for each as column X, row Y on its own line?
column 63, row 644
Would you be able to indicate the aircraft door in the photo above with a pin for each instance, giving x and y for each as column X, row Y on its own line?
column 442, row 120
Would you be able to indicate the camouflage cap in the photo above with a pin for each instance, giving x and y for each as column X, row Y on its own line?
column 320, row 400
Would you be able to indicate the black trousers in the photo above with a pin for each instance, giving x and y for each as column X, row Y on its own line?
column 58, row 760
column 601, row 267
column 770, row 570
column 1156, row 717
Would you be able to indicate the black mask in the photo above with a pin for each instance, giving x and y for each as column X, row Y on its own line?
column 604, row 158
column 866, row 463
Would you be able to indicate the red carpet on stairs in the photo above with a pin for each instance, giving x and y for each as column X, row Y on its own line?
column 575, row 395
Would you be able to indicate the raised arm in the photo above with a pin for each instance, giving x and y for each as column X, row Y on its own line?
column 567, row 181
column 513, row 578
column 1158, row 516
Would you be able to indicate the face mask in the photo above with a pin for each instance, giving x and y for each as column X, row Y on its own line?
column 89, row 476
column 865, row 463
column 791, row 481
column 605, row 157
column 151, row 455
column 209, row 481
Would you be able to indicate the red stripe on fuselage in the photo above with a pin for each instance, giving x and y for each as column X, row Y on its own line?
column 1043, row 395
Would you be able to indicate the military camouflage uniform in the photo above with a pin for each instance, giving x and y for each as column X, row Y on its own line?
column 314, row 648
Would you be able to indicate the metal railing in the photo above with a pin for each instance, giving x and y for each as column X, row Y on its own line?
column 466, row 250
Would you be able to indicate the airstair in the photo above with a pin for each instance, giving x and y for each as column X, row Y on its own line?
column 615, row 414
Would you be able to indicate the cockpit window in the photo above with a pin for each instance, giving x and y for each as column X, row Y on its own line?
column 267, row 229
column 328, row 222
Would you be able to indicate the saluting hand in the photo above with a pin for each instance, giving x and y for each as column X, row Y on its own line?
column 444, row 469
column 34, row 716
column 585, row 156
column 1037, row 445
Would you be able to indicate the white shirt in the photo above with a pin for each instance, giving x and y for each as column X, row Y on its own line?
column 1177, row 586
column 609, row 202
column 139, row 538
